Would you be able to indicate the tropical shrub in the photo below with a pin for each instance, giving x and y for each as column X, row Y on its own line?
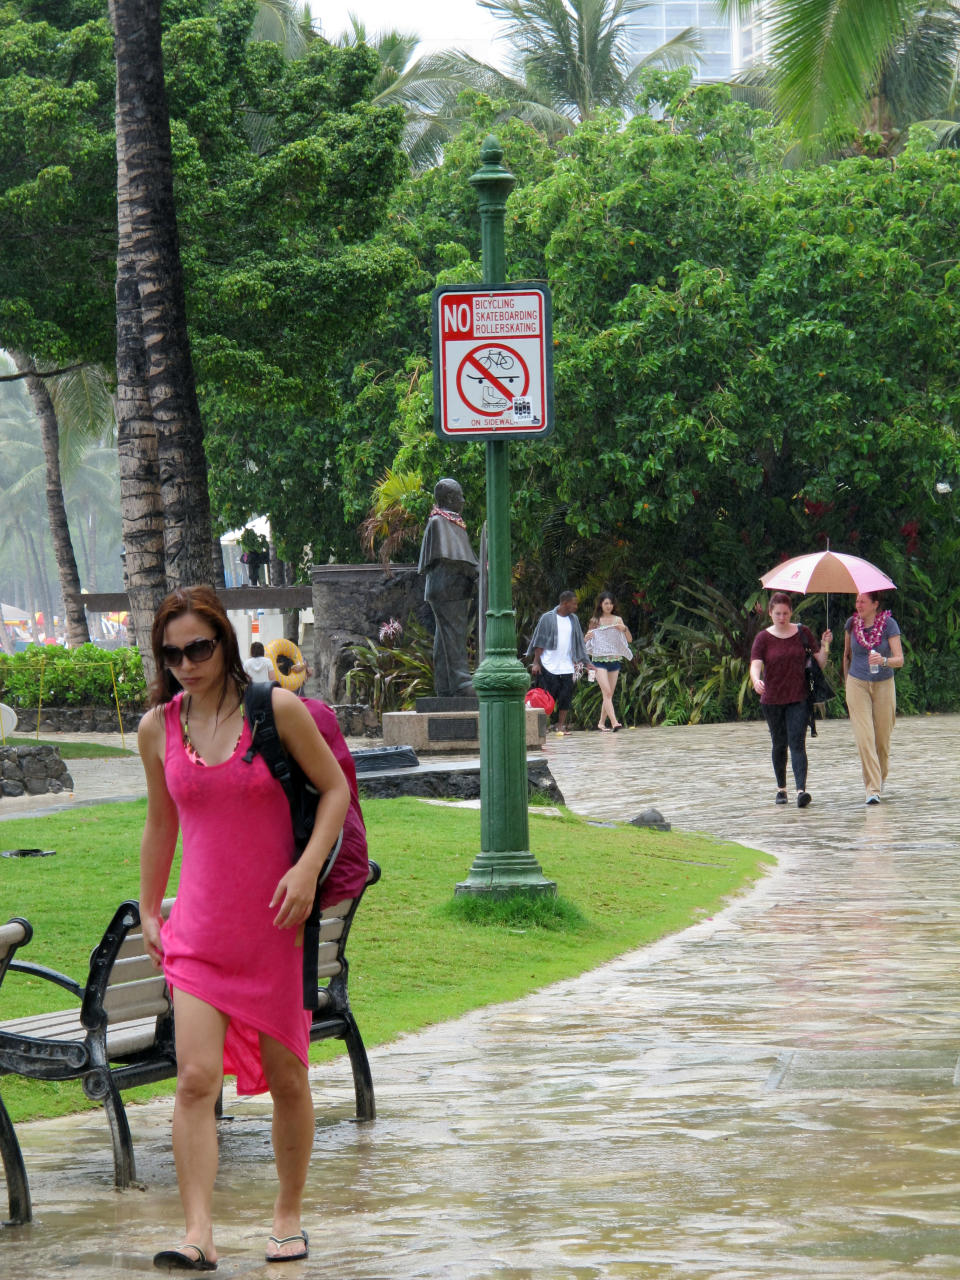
column 392, row 672
column 54, row 676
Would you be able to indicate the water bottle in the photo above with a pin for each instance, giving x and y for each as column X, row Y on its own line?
column 873, row 658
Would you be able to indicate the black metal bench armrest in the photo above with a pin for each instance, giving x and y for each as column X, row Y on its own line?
column 125, row 918
column 48, row 975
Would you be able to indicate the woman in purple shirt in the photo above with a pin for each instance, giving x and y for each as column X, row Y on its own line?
column 777, row 662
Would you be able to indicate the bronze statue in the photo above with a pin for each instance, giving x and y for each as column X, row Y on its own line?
column 450, row 567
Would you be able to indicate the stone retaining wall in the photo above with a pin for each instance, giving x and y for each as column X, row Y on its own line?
column 76, row 720
column 453, row 783
column 32, row 771
column 356, row 720
column 350, row 603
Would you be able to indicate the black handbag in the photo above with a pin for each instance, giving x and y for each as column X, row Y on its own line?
column 819, row 689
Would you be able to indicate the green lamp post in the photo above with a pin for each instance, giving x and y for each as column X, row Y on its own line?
column 505, row 864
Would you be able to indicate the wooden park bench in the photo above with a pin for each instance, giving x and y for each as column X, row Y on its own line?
column 120, row 1032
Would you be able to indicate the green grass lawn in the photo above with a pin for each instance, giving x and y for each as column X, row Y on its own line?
column 413, row 961
column 71, row 750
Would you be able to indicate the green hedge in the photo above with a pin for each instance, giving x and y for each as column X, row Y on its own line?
column 82, row 677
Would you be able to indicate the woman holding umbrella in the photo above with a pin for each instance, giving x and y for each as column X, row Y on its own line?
column 777, row 662
column 872, row 650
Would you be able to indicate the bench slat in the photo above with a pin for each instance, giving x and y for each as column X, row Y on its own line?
column 133, row 968
column 137, row 1000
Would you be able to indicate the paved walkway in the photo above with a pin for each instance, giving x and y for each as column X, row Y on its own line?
column 770, row 1095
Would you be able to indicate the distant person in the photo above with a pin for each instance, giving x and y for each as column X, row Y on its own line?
column 872, row 651
column 557, row 647
column 778, row 672
column 608, row 643
column 258, row 667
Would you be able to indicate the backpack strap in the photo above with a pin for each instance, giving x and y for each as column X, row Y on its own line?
column 264, row 739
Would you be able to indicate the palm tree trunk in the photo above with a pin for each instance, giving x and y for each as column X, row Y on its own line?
column 219, row 579
column 140, row 502
column 30, row 568
column 75, row 613
column 141, row 507
column 6, row 640
column 143, row 147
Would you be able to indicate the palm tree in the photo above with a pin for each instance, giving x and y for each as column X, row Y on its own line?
column 429, row 88
column 22, row 478
column 575, row 54
column 74, row 612
column 150, row 245
column 872, row 63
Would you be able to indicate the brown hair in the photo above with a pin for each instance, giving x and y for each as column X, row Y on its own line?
column 204, row 603
column 598, row 604
column 780, row 597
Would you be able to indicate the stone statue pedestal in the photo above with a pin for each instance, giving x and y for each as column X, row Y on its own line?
column 450, row 725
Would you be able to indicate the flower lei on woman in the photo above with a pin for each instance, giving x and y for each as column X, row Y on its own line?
column 870, row 639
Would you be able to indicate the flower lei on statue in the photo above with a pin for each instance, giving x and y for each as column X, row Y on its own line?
column 452, row 516
column 869, row 639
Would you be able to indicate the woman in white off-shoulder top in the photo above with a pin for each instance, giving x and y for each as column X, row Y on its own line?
column 608, row 643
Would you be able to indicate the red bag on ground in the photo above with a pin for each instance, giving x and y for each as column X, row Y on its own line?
column 540, row 700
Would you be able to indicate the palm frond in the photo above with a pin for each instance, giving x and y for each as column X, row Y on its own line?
column 683, row 49
column 829, row 53
column 918, row 75
column 946, row 133
column 282, row 22
column 84, row 407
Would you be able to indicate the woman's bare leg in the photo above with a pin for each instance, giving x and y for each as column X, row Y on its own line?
column 200, row 1033
column 293, row 1124
column 614, row 677
column 607, row 680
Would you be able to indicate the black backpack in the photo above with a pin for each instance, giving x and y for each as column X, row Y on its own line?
column 303, row 798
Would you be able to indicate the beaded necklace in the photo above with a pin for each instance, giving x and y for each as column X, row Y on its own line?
column 870, row 639
column 192, row 752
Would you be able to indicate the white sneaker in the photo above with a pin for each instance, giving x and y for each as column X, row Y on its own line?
column 872, row 799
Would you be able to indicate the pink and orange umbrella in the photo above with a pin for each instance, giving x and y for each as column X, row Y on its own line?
column 832, row 572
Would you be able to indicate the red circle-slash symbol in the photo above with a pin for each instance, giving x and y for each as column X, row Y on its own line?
column 491, row 377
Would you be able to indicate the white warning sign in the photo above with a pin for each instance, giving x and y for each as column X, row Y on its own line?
column 492, row 362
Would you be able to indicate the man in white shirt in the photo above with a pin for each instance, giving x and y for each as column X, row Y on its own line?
column 259, row 667
column 557, row 646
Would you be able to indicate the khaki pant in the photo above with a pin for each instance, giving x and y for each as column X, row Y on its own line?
column 872, row 705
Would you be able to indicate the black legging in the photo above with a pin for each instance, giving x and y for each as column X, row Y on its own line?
column 787, row 723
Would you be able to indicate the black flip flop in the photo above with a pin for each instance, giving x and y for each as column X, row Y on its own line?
column 177, row 1260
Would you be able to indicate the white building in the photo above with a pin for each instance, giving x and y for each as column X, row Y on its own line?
column 730, row 45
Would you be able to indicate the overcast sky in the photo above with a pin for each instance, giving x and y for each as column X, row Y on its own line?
column 441, row 24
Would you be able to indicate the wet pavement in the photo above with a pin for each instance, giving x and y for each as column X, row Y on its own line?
column 771, row 1094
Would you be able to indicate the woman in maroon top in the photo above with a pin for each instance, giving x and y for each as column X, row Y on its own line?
column 777, row 663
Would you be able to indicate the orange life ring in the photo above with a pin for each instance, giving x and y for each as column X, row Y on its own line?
column 285, row 655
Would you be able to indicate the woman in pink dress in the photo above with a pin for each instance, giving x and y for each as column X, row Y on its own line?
column 229, row 949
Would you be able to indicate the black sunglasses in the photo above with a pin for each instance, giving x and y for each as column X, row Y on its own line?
column 196, row 651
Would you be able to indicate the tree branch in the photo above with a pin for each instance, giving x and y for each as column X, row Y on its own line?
column 38, row 373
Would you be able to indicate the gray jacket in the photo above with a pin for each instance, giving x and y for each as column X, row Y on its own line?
column 545, row 636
